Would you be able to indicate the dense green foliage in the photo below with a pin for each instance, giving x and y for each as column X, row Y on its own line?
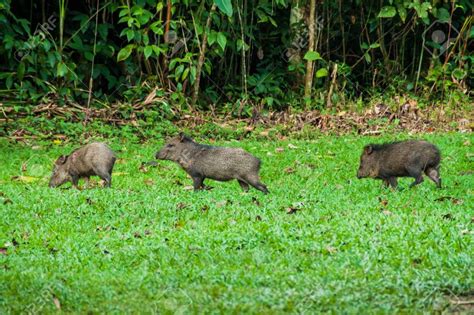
column 119, row 50
column 150, row 245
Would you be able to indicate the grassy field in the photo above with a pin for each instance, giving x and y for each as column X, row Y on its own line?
column 321, row 241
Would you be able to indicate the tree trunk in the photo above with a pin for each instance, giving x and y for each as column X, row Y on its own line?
column 167, row 29
column 293, row 54
column 202, row 55
column 310, row 63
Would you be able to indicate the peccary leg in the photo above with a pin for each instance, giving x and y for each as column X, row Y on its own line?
column 262, row 188
column 106, row 177
column 108, row 180
column 433, row 174
column 255, row 182
column 415, row 173
column 244, row 185
column 75, row 181
column 198, row 182
column 391, row 182
column 87, row 180
column 109, row 173
column 112, row 166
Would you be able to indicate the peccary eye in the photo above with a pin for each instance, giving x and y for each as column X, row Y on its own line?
column 170, row 145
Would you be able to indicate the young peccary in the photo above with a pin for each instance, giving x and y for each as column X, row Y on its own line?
column 218, row 163
column 92, row 159
column 400, row 159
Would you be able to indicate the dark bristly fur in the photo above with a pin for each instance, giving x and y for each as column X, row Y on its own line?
column 400, row 159
column 90, row 160
column 219, row 163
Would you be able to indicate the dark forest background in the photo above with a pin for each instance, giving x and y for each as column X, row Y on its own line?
column 233, row 56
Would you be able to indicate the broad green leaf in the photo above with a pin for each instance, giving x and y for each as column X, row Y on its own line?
column 221, row 40
column 146, row 39
column 443, row 15
column 272, row 21
column 51, row 59
column 125, row 52
column 241, row 44
column 145, row 17
column 148, row 51
column 211, row 38
column 185, row 74
column 179, row 70
column 173, row 63
column 61, row 69
column 156, row 50
column 46, row 45
column 124, row 11
column 312, row 56
column 459, row 74
column 387, row 12
column 88, row 55
column 159, row 6
column 323, row 72
column 20, row 73
column 130, row 34
column 9, row 82
column 422, row 10
column 157, row 27
column 193, row 74
column 402, row 12
column 269, row 100
column 225, row 6
column 367, row 58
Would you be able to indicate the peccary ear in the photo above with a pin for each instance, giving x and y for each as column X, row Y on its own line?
column 184, row 138
column 368, row 149
column 61, row 160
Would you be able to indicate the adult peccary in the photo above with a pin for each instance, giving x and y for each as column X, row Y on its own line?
column 400, row 159
column 92, row 159
column 218, row 163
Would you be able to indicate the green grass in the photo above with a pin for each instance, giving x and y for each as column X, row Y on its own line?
column 150, row 245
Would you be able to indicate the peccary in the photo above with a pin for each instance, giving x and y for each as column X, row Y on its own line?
column 400, row 159
column 218, row 163
column 92, row 159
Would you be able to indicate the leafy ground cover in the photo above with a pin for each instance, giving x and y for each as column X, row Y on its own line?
column 321, row 241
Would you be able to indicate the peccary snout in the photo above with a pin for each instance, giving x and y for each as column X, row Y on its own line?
column 90, row 160
column 164, row 152
column 218, row 163
column 60, row 175
column 400, row 159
